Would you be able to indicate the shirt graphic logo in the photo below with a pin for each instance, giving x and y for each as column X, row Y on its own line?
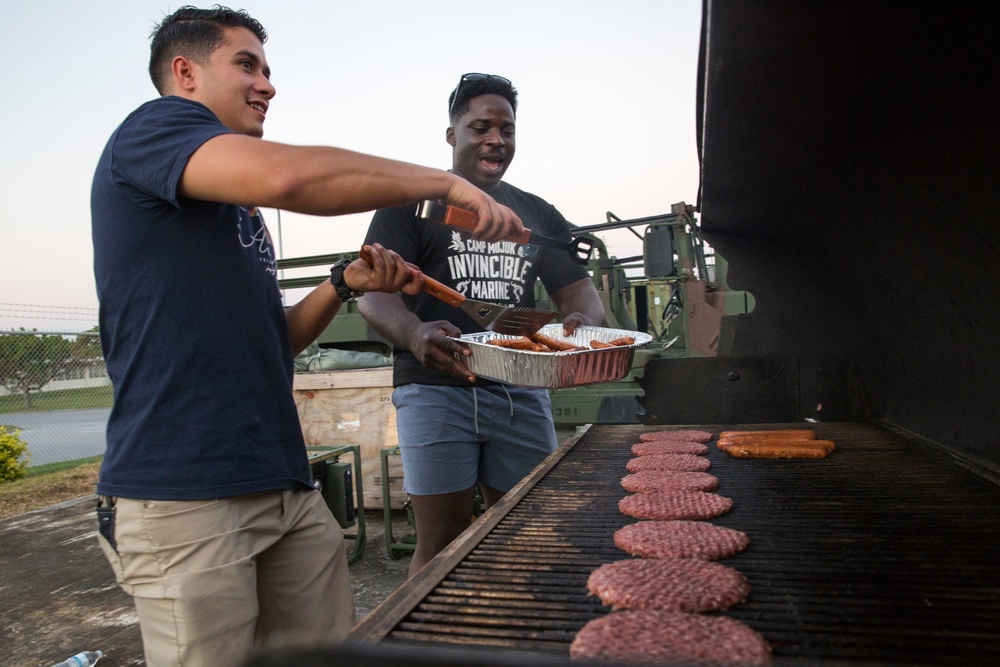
column 489, row 271
column 252, row 232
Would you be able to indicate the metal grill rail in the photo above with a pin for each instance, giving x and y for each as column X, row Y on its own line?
column 885, row 551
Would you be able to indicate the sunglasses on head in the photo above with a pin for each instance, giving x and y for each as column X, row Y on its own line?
column 474, row 76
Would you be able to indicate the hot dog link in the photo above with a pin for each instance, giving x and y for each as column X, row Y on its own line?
column 554, row 344
column 723, row 443
column 793, row 433
column 624, row 340
column 776, row 451
column 521, row 343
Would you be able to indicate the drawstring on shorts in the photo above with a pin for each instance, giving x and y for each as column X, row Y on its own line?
column 511, row 402
column 475, row 403
column 475, row 409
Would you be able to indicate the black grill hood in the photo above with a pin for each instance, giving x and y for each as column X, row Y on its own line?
column 850, row 175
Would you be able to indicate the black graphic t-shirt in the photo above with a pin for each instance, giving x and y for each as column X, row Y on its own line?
column 497, row 272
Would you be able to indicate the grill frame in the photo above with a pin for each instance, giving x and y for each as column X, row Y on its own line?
column 878, row 553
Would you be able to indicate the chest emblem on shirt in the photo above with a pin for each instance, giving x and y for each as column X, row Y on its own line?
column 253, row 234
column 489, row 271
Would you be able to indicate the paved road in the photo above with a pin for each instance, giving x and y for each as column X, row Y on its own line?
column 64, row 435
column 61, row 435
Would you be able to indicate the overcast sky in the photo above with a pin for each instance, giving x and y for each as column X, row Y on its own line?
column 606, row 113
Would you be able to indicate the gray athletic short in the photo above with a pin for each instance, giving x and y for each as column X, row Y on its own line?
column 452, row 437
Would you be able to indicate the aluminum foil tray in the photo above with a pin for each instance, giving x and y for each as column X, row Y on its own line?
column 553, row 369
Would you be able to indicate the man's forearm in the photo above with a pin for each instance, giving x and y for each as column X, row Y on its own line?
column 580, row 297
column 389, row 317
column 316, row 180
column 309, row 317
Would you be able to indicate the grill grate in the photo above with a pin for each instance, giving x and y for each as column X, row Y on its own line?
column 885, row 551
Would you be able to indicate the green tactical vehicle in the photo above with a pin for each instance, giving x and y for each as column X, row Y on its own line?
column 676, row 291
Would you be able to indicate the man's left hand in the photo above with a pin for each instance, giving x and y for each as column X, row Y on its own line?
column 572, row 321
column 386, row 273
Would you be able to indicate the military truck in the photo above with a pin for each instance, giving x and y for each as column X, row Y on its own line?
column 676, row 291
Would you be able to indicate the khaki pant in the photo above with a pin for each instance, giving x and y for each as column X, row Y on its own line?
column 211, row 579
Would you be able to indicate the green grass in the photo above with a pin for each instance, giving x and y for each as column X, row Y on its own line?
column 63, row 399
column 46, row 468
column 49, row 484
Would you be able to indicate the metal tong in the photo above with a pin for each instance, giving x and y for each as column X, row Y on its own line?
column 511, row 320
column 580, row 249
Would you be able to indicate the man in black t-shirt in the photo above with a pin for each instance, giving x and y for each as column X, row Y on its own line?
column 456, row 430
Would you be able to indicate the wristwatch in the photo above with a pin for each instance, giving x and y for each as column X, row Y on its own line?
column 344, row 293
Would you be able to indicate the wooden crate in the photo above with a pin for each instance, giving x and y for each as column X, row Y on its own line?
column 354, row 407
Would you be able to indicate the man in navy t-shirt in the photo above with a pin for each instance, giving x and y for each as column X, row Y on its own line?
column 206, row 511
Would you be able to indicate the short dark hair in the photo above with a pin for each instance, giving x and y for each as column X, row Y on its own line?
column 469, row 90
column 194, row 33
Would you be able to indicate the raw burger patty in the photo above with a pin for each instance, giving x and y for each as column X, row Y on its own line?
column 666, row 480
column 671, row 636
column 684, row 584
column 678, row 462
column 680, row 539
column 648, row 447
column 665, row 505
column 680, row 434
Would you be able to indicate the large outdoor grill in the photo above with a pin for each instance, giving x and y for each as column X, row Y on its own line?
column 849, row 156
column 884, row 552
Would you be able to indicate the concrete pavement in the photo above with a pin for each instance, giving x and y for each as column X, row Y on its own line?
column 58, row 596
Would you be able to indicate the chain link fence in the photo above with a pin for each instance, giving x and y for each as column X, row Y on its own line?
column 54, row 389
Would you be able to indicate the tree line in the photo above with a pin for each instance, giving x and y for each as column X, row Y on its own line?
column 30, row 360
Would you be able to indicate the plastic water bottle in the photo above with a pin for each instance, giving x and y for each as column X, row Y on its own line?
column 84, row 659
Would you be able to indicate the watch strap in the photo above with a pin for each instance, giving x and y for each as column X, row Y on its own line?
column 344, row 293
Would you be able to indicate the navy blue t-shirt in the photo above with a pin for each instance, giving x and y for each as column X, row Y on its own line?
column 192, row 325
